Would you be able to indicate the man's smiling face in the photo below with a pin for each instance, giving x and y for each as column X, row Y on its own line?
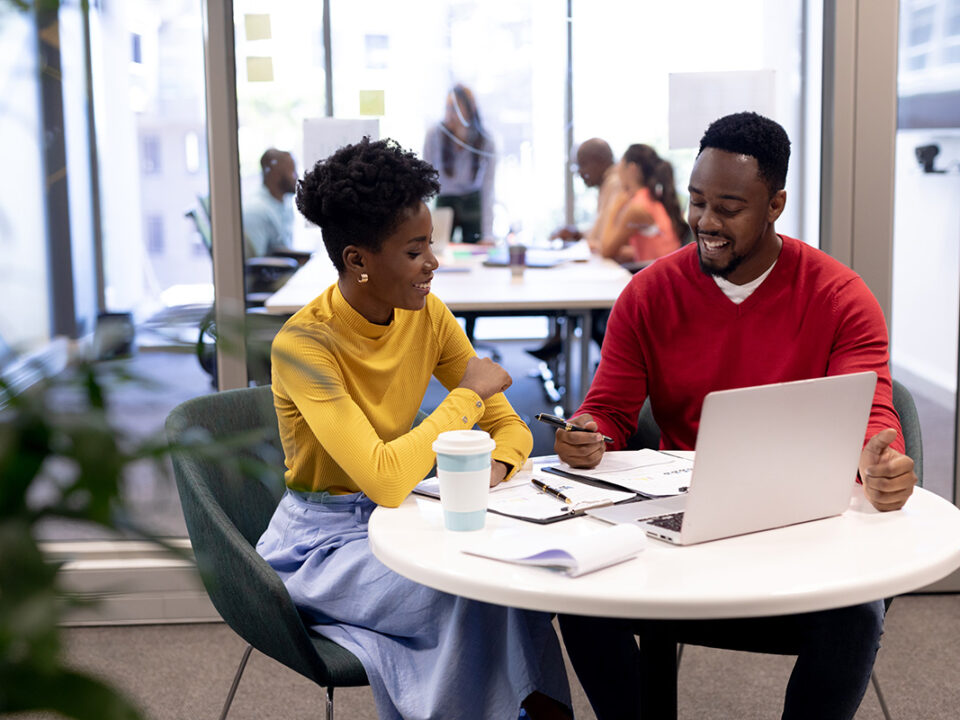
column 732, row 212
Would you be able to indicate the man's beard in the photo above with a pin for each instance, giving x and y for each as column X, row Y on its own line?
column 723, row 272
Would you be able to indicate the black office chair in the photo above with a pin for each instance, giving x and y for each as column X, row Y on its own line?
column 262, row 276
column 228, row 498
column 648, row 436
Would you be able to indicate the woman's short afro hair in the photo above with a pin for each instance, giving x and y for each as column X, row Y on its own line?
column 747, row 133
column 359, row 195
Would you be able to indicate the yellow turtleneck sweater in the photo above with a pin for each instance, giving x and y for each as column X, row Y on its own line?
column 347, row 391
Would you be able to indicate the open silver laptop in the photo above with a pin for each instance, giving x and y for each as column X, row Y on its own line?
column 766, row 456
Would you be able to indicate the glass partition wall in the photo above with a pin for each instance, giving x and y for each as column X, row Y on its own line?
column 926, row 242
column 135, row 217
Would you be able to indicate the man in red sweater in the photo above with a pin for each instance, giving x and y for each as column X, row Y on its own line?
column 742, row 306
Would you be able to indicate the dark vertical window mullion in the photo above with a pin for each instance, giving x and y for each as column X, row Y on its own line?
column 57, row 206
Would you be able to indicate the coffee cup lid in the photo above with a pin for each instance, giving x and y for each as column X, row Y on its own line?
column 464, row 442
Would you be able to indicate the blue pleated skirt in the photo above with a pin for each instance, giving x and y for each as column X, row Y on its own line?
column 427, row 654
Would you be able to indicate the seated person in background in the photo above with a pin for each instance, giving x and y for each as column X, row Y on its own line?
column 597, row 170
column 742, row 306
column 349, row 373
column 267, row 213
column 464, row 155
column 646, row 215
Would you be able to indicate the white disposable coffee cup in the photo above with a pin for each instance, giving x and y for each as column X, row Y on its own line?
column 463, row 469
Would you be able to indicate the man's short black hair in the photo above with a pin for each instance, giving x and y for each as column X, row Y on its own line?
column 359, row 195
column 747, row 133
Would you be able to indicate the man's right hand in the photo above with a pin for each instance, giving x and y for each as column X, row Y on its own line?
column 580, row 449
column 485, row 377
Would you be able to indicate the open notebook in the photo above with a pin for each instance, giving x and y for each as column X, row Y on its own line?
column 620, row 477
column 573, row 555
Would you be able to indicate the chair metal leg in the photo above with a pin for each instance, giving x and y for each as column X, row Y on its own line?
column 330, row 702
column 883, row 703
column 236, row 682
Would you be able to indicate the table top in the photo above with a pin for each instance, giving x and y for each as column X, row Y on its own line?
column 470, row 286
column 856, row 557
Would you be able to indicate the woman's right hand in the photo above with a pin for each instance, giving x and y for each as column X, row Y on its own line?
column 485, row 377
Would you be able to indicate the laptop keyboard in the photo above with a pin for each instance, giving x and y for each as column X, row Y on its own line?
column 671, row 522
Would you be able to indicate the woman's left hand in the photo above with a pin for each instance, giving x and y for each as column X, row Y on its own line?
column 498, row 471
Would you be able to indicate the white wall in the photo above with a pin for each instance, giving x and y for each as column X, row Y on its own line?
column 926, row 261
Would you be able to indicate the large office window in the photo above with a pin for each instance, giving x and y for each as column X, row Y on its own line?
column 24, row 291
column 396, row 67
column 926, row 230
column 761, row 56
column 387, row 64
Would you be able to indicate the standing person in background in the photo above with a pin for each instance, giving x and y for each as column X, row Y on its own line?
column 465, row 157
column 647, row 215
column 267, row 211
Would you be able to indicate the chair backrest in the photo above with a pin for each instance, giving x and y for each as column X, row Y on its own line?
column 227, row 503
column 648, row 432
column 910, row 425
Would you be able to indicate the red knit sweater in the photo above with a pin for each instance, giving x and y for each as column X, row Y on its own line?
column 674, row 335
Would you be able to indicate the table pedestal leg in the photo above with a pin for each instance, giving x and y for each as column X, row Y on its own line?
column 658, row 677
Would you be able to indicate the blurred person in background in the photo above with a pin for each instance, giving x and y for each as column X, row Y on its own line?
column 268, row 210
column 646, row 216
column 597, row 169
column 465, row 156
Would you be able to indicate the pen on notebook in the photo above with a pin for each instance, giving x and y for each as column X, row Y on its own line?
column 561, row 423
column 543, row 487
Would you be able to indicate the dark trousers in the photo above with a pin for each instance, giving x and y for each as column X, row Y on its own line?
column 467, row 214
column 835, row 652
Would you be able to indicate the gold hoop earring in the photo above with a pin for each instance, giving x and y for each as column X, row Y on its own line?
column 363, row 278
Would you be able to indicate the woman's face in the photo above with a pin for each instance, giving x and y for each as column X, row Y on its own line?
column 456, row 118
column 399, row 274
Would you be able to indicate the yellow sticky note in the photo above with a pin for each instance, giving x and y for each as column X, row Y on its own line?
column 257, row 26
column 259, row 69
column 371, row 102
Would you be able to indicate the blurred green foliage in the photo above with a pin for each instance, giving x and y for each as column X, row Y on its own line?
column 59, row 458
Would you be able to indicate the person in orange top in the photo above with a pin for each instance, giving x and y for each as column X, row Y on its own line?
column 647, row 216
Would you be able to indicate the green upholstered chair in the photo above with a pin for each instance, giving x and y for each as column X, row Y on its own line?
column 648, row 436
column 227, row 503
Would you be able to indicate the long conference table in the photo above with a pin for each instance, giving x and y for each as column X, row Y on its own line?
column 570, row 290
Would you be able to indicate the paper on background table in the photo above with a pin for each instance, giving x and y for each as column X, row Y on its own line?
column 573, row 555
column 644, row 471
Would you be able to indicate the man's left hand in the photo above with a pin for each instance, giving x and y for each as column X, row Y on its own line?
column 887, row 475
column 498, row 471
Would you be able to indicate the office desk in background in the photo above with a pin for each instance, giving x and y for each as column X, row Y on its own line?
column 859, row 556
column 570, row 290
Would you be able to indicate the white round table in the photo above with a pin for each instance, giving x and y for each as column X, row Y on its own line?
column 856, row 557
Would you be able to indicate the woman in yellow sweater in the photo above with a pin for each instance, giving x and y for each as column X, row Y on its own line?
column 349, row 373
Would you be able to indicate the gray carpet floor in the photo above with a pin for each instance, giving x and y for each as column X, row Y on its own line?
column 183, row 672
